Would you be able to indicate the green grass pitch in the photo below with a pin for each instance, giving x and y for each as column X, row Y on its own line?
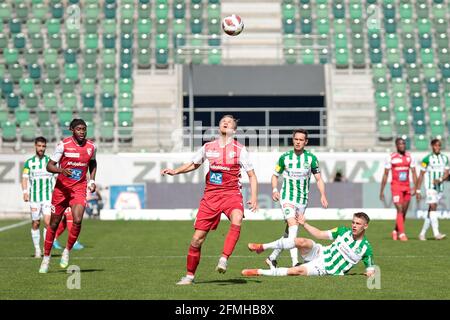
column 144, row 259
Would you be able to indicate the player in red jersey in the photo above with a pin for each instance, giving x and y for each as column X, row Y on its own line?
column 222, row 193
column 75, row 155
column 399, row 163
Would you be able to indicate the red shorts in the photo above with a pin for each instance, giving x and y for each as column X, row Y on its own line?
column 211, row 208
column 64, row 198
column 400, row 194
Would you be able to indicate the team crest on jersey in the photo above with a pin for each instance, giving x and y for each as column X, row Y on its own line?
column 89, row 151
column 232, row 154
column 306, row 165
column 358, row 251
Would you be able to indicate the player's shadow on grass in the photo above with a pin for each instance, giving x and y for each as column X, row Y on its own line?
column 228, row 282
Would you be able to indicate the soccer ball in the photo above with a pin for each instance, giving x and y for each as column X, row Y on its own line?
column 232, row 25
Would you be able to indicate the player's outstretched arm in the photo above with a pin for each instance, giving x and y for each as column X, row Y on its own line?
column 26, row 196
column 321, row 187
column 253, row 202
column 51, row 167
column 188, row 167
column 316, row 233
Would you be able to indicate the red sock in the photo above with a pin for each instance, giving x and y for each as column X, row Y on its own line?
column 69, row 220
column 231, row 240
column 193, row 259
column 73, row 235
column 400, row 222
column 61, row 227
column 48, row 243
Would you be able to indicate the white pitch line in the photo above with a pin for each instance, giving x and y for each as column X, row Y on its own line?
column 183, row 257
column 12, row 226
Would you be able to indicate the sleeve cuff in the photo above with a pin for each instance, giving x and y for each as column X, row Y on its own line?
column 330, row 235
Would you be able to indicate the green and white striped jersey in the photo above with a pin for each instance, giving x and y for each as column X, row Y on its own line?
column 40, row 180
column 434, row 166
column 345, row 252
column 296, row 170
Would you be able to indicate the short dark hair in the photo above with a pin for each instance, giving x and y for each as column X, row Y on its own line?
column 40, row 139
column 399, row 139
column 434, row 141
column 362, row 215
column 77, row 122
column 231, row 117
column 305, row 132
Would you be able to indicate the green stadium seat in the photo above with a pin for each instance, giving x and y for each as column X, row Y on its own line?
column 88, row 100
column 410, row 56
column 402, row 128
column 425, row 40
column 21, row 115
column 385, row 130
column 437, row 129
column 125, row 85
column 420, row 142
column 144, row 11
column 109, row 10
column 214, row 56
column 419, row 127
column 13, row 100
column 435, row 114
column 69, row 101
column 9, row 132
column 383, row 114
column 87, row 114
column 406, row 11
column 341, row 58
column 107, row 131
column 43, row 116
column 108, row 86
column 409, row 40
column 31, row 100
column 375, row 56
column 144, row 59
column 401, row 114
column 28, row 131
column 107, row 101
column 50, row 101
column 125, row 100
column 418, row 114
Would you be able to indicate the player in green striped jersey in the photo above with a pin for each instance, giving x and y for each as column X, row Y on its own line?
column 37, row 187
column 435, row 170
column 349, row 247
column 296, row 166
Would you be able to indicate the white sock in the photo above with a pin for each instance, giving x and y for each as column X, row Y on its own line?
column 426, row 225
column 276, row 272
column 294, row 251
column 44, row 233
column 36, row 236
column 276, row 253
column 434, row 222
column 283, row 244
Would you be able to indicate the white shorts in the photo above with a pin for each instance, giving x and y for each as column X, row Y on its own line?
column 433, row 196
column 291, row 209
column 39, row 209
column 314, row 263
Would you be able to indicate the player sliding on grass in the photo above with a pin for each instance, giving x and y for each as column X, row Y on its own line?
column 75, row 155
column 222, row 193
column 348, row 248
column 400, row 163
column 296, row 166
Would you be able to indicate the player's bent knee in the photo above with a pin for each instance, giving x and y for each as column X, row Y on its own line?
column 197, row 241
